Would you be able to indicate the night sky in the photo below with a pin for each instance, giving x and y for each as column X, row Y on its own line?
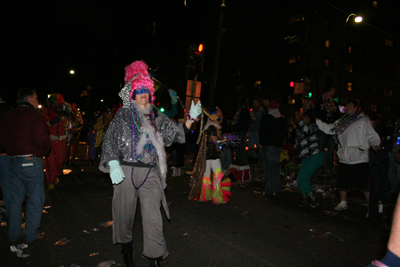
column 43, row 40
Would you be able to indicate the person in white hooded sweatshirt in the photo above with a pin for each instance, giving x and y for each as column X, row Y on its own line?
column 354, row 135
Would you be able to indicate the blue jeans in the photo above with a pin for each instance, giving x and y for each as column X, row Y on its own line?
column 27, row 179
column 241, row 157
column 394, row 172
column 271, row 165
column 326, row 140
column 226, row 157
column 5, row 182
column 254, row 139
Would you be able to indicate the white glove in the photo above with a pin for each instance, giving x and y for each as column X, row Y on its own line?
column 195, row 110
column 173, row 95
column 116, row 173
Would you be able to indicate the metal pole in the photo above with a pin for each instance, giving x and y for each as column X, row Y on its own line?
column 216, row 58
column 193, row 90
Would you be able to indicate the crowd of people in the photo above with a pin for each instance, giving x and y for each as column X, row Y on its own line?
column 129, row 144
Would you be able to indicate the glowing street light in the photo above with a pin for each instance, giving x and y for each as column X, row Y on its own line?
column 72, row 72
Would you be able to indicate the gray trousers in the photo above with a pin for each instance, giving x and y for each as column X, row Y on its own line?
column 124, row 204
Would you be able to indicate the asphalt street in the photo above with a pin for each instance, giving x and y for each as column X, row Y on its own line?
column 250, row 230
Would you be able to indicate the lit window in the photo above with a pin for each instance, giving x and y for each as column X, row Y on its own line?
column 292, row 60
column 349, row 67
column 373, row 107
column 387, row 109
column 388, row 93
column 349, row 49
column 327, row 63
column 375, row 3
column 327, row 43
column 296, row 18
column 349, row 86
column 389, row 42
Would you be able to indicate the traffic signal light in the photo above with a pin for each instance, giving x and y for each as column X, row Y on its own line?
column 196, row 58
column 200, row 48
column 160, row 108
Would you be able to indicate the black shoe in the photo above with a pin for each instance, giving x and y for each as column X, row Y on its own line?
column 305, row 203
column 128, row 260
column 155, row 262
column 314, row 201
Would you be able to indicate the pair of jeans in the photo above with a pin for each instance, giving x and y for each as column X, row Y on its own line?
column 326, row 140
column 271, row 165
column 27, row 179
column 226, row 157
column 394, row 173
column 254, row 139
column 241, row 157
column 308, row 166
column 5, row 182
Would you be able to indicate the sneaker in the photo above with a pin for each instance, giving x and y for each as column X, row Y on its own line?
column 20, row 250
column 341, row 206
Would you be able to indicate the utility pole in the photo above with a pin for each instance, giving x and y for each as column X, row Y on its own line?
column 216, row 58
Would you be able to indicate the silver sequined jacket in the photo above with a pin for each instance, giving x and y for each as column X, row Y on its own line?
column 117, row 140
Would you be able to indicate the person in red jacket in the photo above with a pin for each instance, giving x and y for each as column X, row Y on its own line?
column 25, row 136
column 57, row 120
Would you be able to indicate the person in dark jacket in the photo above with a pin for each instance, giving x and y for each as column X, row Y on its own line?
column 242, row 120
column 25, row 136
column 310, row 155
column 4, row 162
column 272, row 135
column 327, row 111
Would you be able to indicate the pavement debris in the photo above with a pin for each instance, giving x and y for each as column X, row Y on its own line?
column 106, row 263
column 106, row 224
column 64, row 241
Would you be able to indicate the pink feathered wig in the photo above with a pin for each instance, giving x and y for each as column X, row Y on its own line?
column 137, row 74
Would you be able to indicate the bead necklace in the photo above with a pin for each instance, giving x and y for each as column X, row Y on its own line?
column 135, row 133
column 343, row 124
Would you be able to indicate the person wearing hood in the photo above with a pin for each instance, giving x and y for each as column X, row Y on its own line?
column 133, row 153
column 354, row 135
column 272, row 135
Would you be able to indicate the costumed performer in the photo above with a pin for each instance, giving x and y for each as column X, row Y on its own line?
column 133, row 153
column 58, row 122
column 76, row 124
column 208, row 160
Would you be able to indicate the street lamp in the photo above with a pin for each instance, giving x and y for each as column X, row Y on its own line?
column 71, row 72
column 357, row 19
